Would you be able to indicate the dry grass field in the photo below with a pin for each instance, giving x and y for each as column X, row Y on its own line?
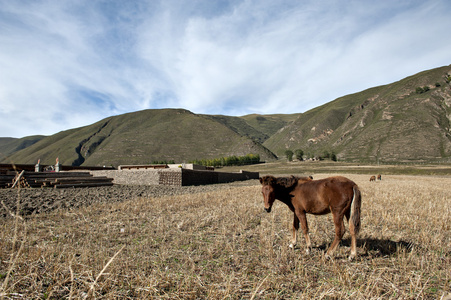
column 220, row 244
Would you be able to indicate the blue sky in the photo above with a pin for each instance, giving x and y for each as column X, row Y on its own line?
column 66, row 64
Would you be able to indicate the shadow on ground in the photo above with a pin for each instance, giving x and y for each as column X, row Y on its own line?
column 370, row 247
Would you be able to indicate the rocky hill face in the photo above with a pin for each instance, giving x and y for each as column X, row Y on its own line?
column 405, row 120
column 408, row 120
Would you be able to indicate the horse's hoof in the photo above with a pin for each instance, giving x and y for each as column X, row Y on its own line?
column 351, row 257
column 307, row 251
column 291, row 246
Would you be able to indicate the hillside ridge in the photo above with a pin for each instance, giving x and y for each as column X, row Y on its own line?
column 394, row 122
column 408, row 120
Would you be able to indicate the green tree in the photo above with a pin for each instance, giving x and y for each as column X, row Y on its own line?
column 299, row 154
column 333, row 157
column 289, row 155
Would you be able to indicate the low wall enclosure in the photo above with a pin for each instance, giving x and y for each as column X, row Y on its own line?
column 174, row 174
column 178, row 176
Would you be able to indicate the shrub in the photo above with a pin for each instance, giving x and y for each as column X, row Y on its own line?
column 289, row 155
column 299, row 154
column 333, row 157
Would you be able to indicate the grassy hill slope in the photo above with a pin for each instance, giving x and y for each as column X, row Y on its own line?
column 142, row 137
column 269, row 124
column 257, row 127
column 385, row 123
column 10, row 145
column 406, row 120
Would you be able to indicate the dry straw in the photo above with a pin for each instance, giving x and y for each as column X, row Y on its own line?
column 220, row 244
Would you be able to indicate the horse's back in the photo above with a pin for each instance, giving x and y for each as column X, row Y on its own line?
column 318, row 196
column 338, row 186
column 335, row 182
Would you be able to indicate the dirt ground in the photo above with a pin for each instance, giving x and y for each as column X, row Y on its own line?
column 42, row 200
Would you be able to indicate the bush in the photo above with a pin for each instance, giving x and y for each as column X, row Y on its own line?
column 289, row 155
column 299, row 154
column 333, row 157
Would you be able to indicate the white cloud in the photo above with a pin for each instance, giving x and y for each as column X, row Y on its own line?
column 66, row 64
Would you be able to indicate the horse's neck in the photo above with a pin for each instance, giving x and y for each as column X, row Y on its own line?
column 283, row 194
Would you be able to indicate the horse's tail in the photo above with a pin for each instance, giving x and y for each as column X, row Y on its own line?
column 354, row 221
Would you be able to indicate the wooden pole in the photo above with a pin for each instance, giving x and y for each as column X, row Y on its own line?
column 18, row 178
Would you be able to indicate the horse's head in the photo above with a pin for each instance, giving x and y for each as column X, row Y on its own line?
column 269, row 195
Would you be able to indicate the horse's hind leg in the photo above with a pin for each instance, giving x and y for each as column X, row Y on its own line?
column 303, row 220
column 339, row 232
column 353, row 236
column 294, row 231
column 353, row 240
column 353, row 245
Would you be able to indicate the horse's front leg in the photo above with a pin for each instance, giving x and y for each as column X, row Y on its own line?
column 303, row 220
column 294, row 230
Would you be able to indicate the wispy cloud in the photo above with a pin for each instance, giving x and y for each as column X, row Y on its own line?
column 65, row 64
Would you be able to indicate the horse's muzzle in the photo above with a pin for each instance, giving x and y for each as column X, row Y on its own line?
column 268, row 210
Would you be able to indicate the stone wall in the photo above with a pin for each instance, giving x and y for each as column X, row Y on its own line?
column 131, row 177
column 170, row 177
column 176, row 176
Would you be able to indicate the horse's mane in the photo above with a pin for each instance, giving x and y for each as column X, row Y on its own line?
column 286, row 182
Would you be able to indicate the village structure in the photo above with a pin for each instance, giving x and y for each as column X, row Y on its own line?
column 59, row 176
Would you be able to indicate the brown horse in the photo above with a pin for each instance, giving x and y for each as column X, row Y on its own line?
column 303, row 195
column 373, row 178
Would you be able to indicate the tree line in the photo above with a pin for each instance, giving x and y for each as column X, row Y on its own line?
column 248, row 159
column 300, row 155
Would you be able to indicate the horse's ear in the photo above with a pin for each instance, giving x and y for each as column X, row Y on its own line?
column 261, row 180
column 293, row 180
column 311, row 177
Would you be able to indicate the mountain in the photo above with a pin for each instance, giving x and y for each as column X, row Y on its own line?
column 408, row 120
column 9, row 146
column 257, row 127
column 402, row 121
column 142, row 137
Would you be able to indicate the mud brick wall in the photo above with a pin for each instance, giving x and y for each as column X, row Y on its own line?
column 176, row 176
column 131, row 177
column 170, row 177
column 197, row 177
column 224, row 177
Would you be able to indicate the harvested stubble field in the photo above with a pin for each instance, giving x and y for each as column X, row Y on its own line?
column 218, row 243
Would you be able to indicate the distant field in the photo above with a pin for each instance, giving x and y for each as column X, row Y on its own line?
column 220, row 244
column 309, row 167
